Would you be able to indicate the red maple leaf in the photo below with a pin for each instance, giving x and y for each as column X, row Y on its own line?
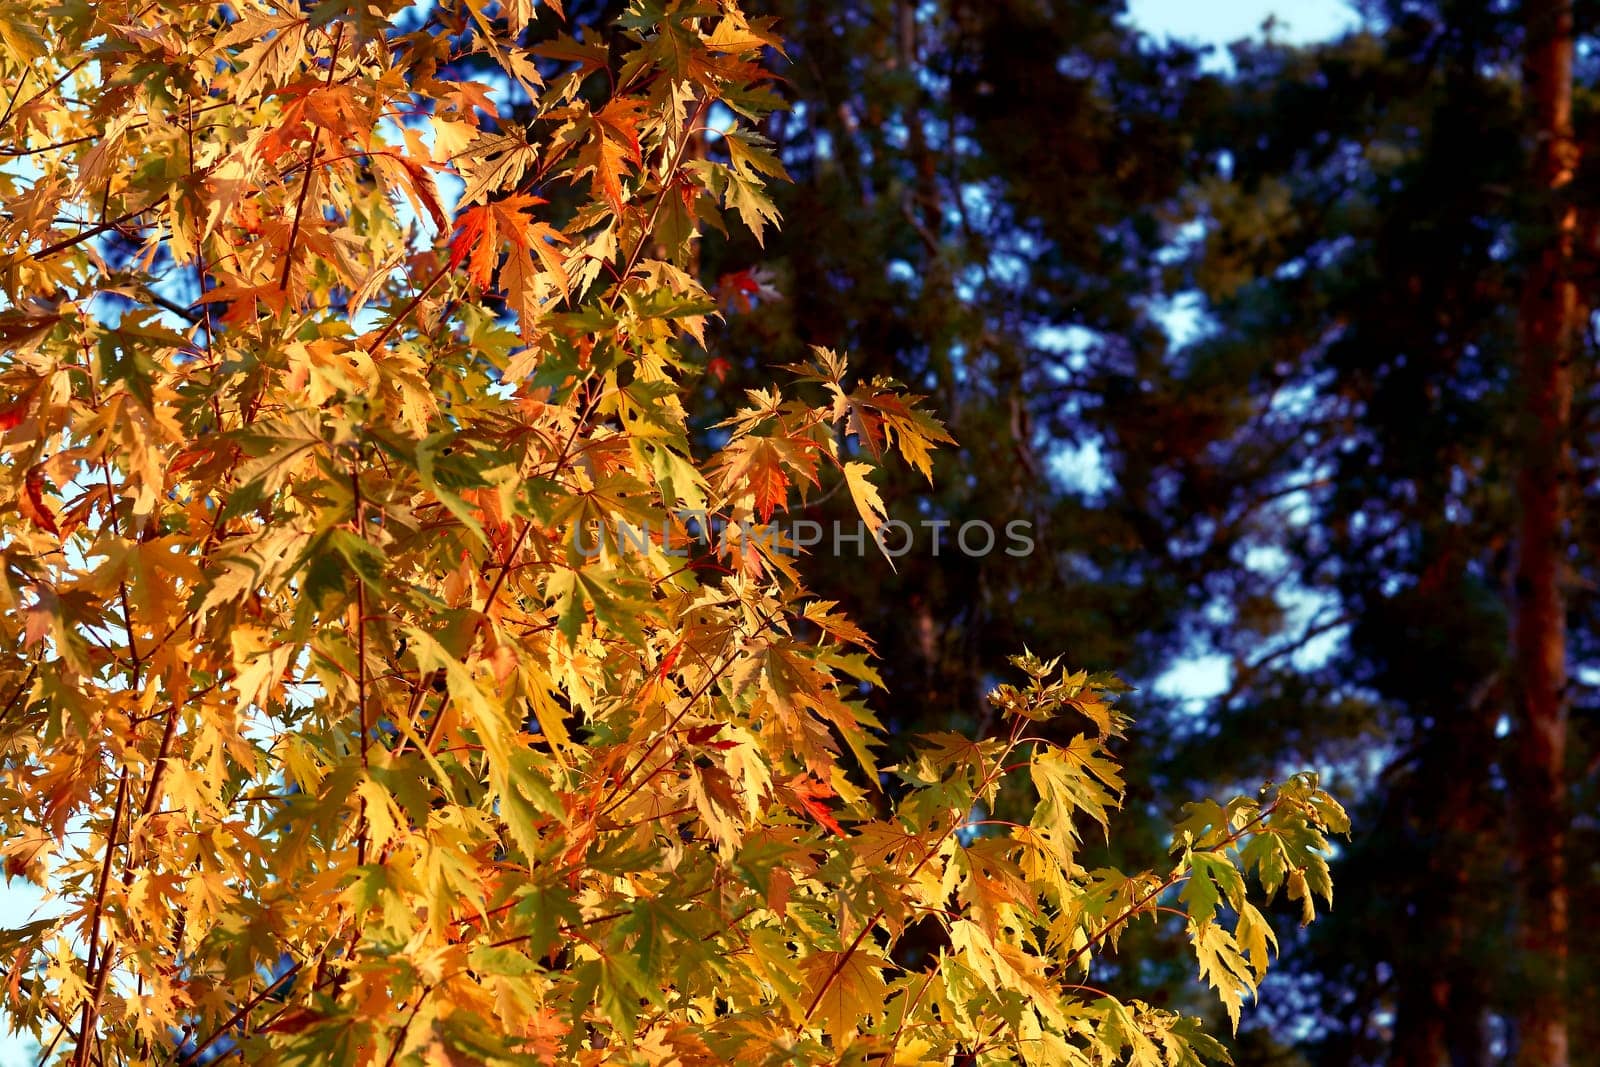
column 32, row 503
column 13, row 413
column 668, row 662
column 810, row 793
column 701, row 736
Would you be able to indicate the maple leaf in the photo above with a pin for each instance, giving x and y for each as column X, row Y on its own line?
column 843, row 988
column 1121, row 1031
column 748, row 196
column 712, row 794
column 868, row 503
column 566, row 48
column 294, row 1021
column 703, row 736
column 31, row 502
column 12, row 414
column 469, row 96
column 809, row 794
column 613, row 142
column 1222, row 967
column 1004, row 965
column 475, row 236
column 276, row 51
column 416, row 179
column 1212, row 879
column 757, row 463
column 1073, row 778
column 836, row 625
column 534, row 265
column 22, row 332
column 992, row 883
column 735, row 33
column 879, row 416
column 1255, row 937
column 546, row 1028
column 493, row 164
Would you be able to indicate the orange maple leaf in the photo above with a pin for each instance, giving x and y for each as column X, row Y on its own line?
column 479, row 230
column 759, row 463
column 615, row 142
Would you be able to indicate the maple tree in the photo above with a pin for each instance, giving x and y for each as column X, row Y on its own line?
column 326, row 736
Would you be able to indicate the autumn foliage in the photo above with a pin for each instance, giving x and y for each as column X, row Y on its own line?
column 324, row 332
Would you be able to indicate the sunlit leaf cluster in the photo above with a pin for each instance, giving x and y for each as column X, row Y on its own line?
column 368, row 691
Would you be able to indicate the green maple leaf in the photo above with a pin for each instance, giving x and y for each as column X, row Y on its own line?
column 1222, row 967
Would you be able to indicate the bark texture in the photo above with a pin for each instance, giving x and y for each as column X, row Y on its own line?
column 1550, row 326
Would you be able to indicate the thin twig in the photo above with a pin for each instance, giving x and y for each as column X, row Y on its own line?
column 311, row 167
column 22, row 691
column 95, row 231
column 361, row 664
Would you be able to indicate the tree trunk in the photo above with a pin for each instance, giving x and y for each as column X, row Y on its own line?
column 1549, row 333
column 1448, row 820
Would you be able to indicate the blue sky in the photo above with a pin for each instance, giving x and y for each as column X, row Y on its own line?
column 1225, row 21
